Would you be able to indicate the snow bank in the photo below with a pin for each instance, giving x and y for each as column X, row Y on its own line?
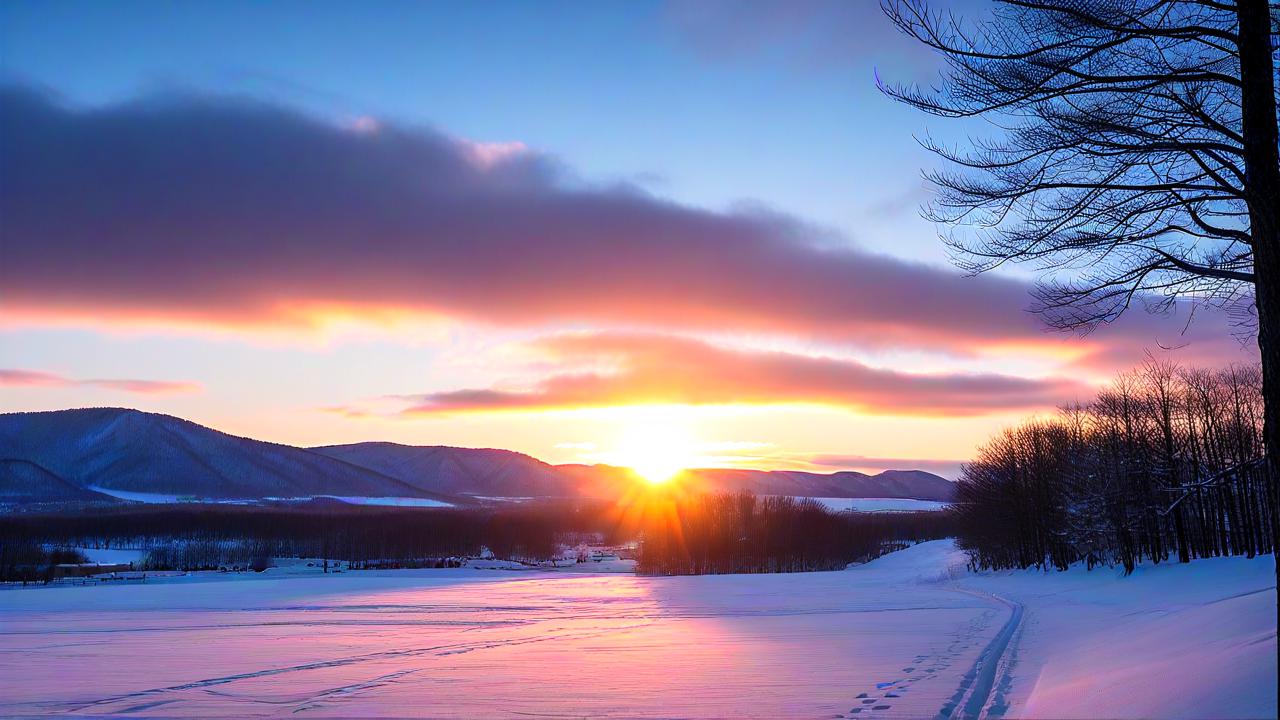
column 1169, row 641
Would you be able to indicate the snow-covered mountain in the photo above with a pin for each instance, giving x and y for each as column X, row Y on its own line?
column 845, row 484
column 22, row 482
column 131, row 452
column 480, row 472
column 914, row 484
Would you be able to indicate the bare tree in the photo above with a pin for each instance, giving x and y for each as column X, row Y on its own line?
column 1137, row 161
column 1162, row 463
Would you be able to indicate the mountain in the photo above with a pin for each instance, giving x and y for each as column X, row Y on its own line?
column 73, row 453
column 604, row 480
column 916, row 484
column 23, row 482
column 458, row 471
column 115, row 449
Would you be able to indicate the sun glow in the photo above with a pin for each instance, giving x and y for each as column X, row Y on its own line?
column 658, row 449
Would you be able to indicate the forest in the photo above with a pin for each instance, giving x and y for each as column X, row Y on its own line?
column 744, row 533
column 1165, row 462
column 204, row 537
column 676, row 534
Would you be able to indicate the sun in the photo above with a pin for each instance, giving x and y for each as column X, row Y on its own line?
column 656, row 450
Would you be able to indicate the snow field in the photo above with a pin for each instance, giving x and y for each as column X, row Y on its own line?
column 909, row 635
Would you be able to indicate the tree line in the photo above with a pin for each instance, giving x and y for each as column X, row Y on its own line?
column 743, row 533
column 29, row 562
column 202, row 537
column 678, row 534
column 1165, row 462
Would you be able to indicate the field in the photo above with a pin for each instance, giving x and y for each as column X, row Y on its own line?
column 910, row 635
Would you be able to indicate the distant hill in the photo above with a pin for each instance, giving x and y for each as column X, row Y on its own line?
column 458, row 471
column 137, row 452
column 132, row 452
column 23, row 482
column 916, row 484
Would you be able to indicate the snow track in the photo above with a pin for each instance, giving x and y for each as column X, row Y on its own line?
column 975, row 696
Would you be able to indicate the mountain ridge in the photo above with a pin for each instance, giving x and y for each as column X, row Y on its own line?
column 132, row 451
column 23, row 482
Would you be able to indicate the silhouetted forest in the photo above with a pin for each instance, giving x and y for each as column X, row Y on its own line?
column 716, row 533
column 27, row 561
column 199, row 537
column 743, row 533
column 1165, row 462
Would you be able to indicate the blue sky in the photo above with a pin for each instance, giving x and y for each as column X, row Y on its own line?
column 696, row 215
column 687, row 103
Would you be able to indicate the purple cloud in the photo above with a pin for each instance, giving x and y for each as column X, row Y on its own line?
column 35, row 378
column 225, row 210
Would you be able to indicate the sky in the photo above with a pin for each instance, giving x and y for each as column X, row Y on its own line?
column 591, row 232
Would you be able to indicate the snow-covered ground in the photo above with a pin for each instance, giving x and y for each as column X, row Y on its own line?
column 880, row 504
column 386, row 501
column 909, row 635
column 114, row 555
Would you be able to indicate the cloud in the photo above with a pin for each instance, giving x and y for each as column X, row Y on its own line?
column 240, row 212
column 34, row 378
column 651, row 369
column 198, row 209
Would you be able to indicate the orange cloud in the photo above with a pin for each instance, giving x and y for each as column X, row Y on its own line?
column 656, row 369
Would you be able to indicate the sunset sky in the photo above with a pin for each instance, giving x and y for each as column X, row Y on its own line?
column 550, row 227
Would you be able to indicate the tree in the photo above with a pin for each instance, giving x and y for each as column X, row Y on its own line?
column 1138, row 162
column 1150, row 469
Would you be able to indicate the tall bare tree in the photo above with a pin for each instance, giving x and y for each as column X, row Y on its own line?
column 1137, row 160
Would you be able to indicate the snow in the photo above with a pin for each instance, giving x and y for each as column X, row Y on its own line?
column 395, row 501
column 912, row 634
column 160, row 498
column 1170, row 641
column 880, row 504
column 142, row 497
column 114, row 555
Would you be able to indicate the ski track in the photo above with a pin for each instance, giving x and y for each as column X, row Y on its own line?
column 978, row 690
column 975, row 693
column 103, row 704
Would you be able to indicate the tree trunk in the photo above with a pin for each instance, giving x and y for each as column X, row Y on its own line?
column 1262, row 188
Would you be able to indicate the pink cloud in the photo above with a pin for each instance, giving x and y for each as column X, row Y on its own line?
column 33, row 378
